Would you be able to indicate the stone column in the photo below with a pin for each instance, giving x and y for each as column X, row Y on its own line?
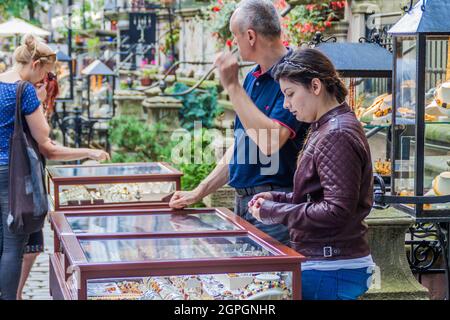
column 129, row 103
column 357, row 17
column 163, row 110
column 339, row 30
column 393, row 279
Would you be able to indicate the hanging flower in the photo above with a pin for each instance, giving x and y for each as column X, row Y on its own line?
column 304, row 21
column 229, row 43
column 218, row 24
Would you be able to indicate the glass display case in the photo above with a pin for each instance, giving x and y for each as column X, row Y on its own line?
column 421, row 122
column 164, row 254
column 118, row 185
column 141, row 222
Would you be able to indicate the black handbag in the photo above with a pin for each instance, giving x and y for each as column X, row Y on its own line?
column 28, row 203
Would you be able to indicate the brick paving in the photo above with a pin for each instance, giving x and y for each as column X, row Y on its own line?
column 37, row 286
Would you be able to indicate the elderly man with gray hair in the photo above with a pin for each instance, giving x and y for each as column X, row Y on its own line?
column 267, row 136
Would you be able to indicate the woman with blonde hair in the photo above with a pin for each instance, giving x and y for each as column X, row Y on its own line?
column 33, row 60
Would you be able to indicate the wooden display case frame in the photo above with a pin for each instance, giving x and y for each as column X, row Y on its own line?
column 174, row 176
column 71, row 257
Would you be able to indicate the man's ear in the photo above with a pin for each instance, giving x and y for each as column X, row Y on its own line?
column 251, row 36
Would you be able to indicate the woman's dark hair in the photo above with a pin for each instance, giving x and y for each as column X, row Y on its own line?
column 303, row 65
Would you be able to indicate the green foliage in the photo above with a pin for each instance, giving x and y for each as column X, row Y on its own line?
column 198, row 106
column 147, row 73
column 217, row 16
column 171, row 38
column 16, row 8
column 302, row 23
column 137, row 141
column 93, row 46
column 200, row 161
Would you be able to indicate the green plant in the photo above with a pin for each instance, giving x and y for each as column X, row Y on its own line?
column 93, row 46
column 302, row 23
column 218, row 17
column 16, row 7
column 136, row 141
column 147, row 73
column 170, row 38
column 196, row 171
column 198, row 106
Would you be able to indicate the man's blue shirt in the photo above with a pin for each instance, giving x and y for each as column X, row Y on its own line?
column 250, row 167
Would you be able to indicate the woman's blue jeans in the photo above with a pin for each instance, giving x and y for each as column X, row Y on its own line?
column 11, row 246
column 343, row 284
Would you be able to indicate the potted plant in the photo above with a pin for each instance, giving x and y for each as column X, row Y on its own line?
column 79, row 40
column 146, row 79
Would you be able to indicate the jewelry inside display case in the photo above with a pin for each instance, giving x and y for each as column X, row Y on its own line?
column 111, row 185
column 164, row 254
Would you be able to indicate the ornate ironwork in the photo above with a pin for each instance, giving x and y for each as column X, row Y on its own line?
column 379, row 36
column 425, row 247
column 318, row 39
column 409, row 7
column 429, row 242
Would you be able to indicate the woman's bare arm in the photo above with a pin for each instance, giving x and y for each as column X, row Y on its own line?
column 40, row 130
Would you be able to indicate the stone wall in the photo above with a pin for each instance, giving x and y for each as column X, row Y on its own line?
column 358, row 10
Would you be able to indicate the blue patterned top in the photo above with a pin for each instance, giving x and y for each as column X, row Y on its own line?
column 30, row 103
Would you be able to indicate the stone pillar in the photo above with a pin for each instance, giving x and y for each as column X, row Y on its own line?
column 163, row 110
column 339, row 29
column 393, row 279
column 357, row 17
column 129, row 103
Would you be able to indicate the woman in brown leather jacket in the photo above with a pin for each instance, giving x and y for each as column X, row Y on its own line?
column 332, row 185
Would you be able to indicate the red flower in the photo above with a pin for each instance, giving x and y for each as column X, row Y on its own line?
column 328, row 24
column 216, row 9
column 307, row 26
column 229, row 43
column 310, row 7
column 286, row 43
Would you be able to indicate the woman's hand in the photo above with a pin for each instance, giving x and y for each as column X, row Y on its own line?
column 98, row 155
column 256, row 208
column 262, row 195
column 41, row 91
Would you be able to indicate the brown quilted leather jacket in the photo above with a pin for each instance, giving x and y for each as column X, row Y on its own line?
column 333, row 191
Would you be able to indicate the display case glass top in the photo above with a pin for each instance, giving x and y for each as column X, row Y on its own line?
column 149, row 223
column 79, row 187
column 133, row 250
column 108, row 170
column 218, row 256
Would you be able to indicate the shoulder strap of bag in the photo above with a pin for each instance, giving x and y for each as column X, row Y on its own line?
column 18, row 120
